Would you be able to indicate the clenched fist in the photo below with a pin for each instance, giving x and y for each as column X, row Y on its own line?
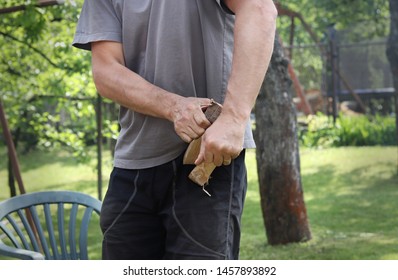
column 189, row 120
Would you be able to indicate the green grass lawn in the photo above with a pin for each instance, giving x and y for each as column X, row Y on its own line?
column 351, row 197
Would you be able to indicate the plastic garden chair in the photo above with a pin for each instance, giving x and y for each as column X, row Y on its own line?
column 50, row 225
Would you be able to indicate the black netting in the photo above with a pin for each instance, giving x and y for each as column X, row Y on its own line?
column 361, row 66
column 364, row 65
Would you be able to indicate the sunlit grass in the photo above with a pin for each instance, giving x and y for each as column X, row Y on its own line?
column 59, row 171
column 351, row 198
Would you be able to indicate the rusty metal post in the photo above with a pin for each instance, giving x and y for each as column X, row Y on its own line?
column 12, row 153
column 11, row 149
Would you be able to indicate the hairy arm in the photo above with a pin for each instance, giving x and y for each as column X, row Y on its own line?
column 115, row 81
column 255, row 24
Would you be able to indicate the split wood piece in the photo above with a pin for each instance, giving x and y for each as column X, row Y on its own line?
column 201, row 173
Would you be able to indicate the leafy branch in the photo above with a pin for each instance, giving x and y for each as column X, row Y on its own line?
column 36, row 50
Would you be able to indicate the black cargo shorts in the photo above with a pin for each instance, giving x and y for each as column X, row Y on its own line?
column 159, row 213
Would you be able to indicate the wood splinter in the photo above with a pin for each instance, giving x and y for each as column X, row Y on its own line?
column 202, row 172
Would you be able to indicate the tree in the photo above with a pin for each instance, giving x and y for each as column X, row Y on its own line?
column 392, row 53
column 278, row 159
column 45, row 84
column 320, row 14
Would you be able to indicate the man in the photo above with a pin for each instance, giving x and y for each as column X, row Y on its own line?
column 163, row 62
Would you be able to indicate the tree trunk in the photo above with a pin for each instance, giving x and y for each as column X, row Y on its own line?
column 278, row 160
column 392, row 53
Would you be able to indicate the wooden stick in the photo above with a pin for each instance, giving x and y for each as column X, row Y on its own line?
column 202, row 172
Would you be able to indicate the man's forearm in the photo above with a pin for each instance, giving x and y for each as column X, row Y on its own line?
column 253, row 45
column 116, row 82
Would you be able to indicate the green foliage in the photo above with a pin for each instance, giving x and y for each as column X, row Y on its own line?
column 46, row 84
column 320, row 14
column 348, row 131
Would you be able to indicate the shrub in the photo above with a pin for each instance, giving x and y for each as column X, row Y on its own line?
column 320, row 131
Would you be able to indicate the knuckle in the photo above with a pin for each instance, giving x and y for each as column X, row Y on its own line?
column 200, row 131
column 204, row 123
column 191, row 106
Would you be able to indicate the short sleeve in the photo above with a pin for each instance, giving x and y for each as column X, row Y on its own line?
column 98, row 21
column 224, row 7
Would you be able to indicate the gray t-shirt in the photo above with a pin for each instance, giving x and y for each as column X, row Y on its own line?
column 182, row 46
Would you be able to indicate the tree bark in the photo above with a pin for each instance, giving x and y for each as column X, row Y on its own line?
column 392, row 53
column 278, row 160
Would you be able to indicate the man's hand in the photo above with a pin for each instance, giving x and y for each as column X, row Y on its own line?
column 189, row 120
column 222, row 141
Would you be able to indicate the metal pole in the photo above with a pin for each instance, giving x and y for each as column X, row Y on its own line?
column 333, row 61
column 15, row 166
column 11, row 149
column 99, row 145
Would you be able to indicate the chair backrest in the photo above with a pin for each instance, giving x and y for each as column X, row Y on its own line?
column 46, row 225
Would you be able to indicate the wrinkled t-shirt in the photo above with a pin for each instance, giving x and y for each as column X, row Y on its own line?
column 182, row 46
